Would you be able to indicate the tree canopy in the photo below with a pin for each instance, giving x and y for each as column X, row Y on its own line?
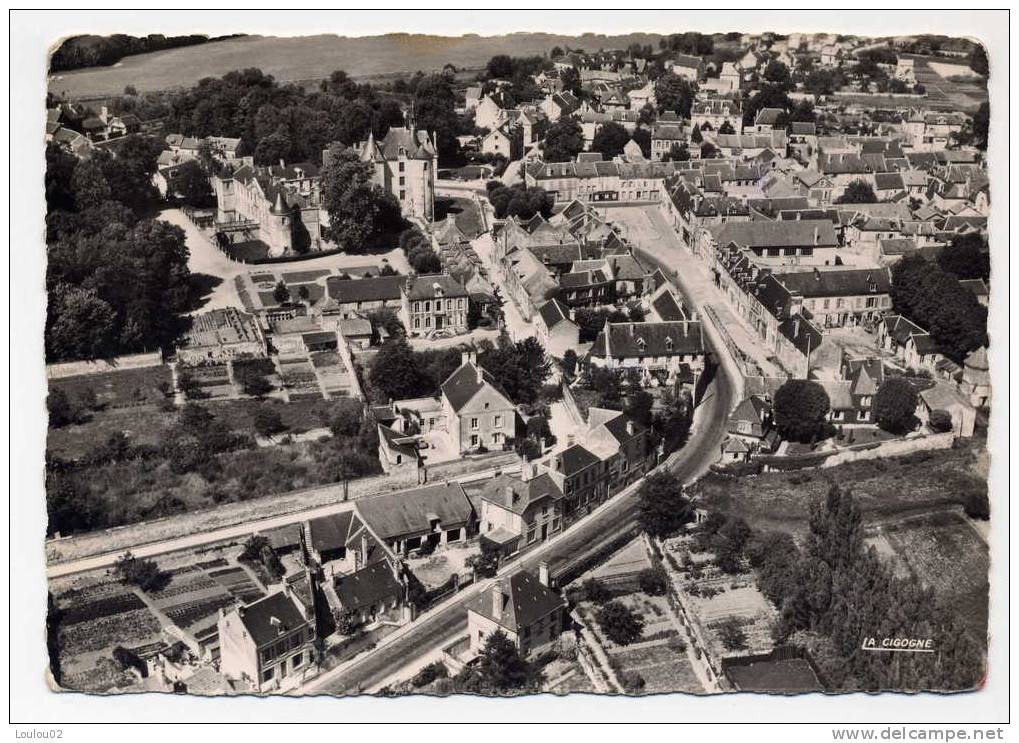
column 857, row 192
column 895, row 405
column 663, row 507
column 801, row 408
column 563, row 141
column 359, row 210
column 610, row 140
column 674, row 93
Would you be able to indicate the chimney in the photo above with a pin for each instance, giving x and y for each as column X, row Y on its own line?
column 629, row 427
column 283, row 163
column 543, row 573
column 509, row 496
column 817, row 236
column 817, row 274
column 686, row 329
column 364, row 549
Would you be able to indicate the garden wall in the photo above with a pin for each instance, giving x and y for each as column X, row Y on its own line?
column 79, row 368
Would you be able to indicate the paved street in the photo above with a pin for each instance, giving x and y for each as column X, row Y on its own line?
column 645, row 227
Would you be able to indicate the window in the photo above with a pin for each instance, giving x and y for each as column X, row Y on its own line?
column 298, row 661
column 474, row 441
column 402, row 166
column 267, row 675
column 498, row 420
column 496, row 438
column 403, row 194
column 417, row 323
column 428, row 322
column 428, row 306
column 474, row 424
column 402, row 180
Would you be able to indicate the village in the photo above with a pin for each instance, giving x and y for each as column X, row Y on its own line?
column 522, row 377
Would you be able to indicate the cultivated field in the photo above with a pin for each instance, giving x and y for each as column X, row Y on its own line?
column 311, row 58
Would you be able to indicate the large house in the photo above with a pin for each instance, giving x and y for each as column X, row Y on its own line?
column 278, row 205
column 268, row 644
column 810, row 242
column 522, row 607
column 439, row 514
column 516, row 514
column 405, row 161
column 433, row 302
column 478, row 413
column 351, row 298
column 839, row 297
column 663, row 352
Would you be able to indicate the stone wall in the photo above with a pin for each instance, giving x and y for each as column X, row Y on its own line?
column 78, row 368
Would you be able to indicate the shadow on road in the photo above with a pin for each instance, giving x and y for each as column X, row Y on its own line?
column 201, row 286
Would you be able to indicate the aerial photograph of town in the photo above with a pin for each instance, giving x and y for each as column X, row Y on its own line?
column 544, row 363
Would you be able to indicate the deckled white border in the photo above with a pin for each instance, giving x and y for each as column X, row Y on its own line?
column 32, row 32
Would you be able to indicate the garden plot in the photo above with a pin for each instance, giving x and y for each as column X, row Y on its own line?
column 212, row 379
column 299, row 378
column 565, row 676
column 304, row 277
column 713, row 597
column 333, row 373
column 239, row 584
column 662, row 665
column 118, row 389
column 191, row 598
column 92, row 622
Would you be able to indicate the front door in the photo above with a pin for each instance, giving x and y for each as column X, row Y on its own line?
column 438, row 321
column 544, row 532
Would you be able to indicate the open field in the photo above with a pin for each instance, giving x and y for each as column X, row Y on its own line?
column 121, row 388
column 884, row 488
column 311, row 58
column 947, row 554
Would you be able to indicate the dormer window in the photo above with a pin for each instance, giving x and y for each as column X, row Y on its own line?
column 668, row 344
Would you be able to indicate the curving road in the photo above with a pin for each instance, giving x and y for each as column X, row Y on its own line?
column 442, row 625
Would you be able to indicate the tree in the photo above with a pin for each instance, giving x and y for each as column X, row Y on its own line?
column 60, row 409
column 359, row 210
column 395, row 371
column 268, row 421
column 563, row 141
column 79, row 325
column 345, row 417
column 191, row 183
column 610, row 140
column 678, row 152
column 520, row 368
column 674, row 93
column 638, row 406
column 595, row 591
column 252, row 381
column 708, row 151
column 619, row 623
column 777, row 73
column 570, row 79
column 966, row 257
column 857, row 192
column 895, row 405
column 642, row 137
column 726, row 128
column 940, row 421
column 801, row 409
column 569, row 364
column 485, row 564
column 673, row 421
column 435, row 111
column 662, row 507
column 520, row 201
column 981, row 124
column 695, row 136
column 732, row 635
column 281, row 293
column 253, row 547
column 501, row 667
column 139, row 572
column 978, row 60
column 89, row 184
column 653, row 581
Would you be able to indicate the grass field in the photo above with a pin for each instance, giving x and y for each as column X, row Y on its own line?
column 312, row 58
column 884, row 488
column 122, row 388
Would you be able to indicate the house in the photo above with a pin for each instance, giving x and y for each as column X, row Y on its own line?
column 472, row 97
column 664, row 352
column 558, row 105
column 751, row 424
column 810, row 242
column 405, row 163
column 440, row 513
column 976, row 378
column 478, row 412
column 433, row 302
column 497, row 142
column 840, row 297
column 688, row 67
column 490, row 111
column 278, row 205
column 946, row 396
column 769, row 119
column 556, row 329
column 368, row 594
column 643, row 96
column 830, row 55
column 398, row 453
column 666, row 135
column 221, row 335
column 516, row 514
column 910, row 343
column 712, row 114
column 729, row 77
column 523, row 607
column 665, row 306
column 268, row 643
column 352, row 298
column 851, row 398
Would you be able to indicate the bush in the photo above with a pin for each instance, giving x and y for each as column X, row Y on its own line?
column 632, row 682
column 128, row 659
column 977, row 505
column 653, row 581
column 428, row 674
column 595, row 591
column 268, row 421
column 731, row 633
column 621, row 625
column 142, row 573
column 895, row 405
column 940, row 421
